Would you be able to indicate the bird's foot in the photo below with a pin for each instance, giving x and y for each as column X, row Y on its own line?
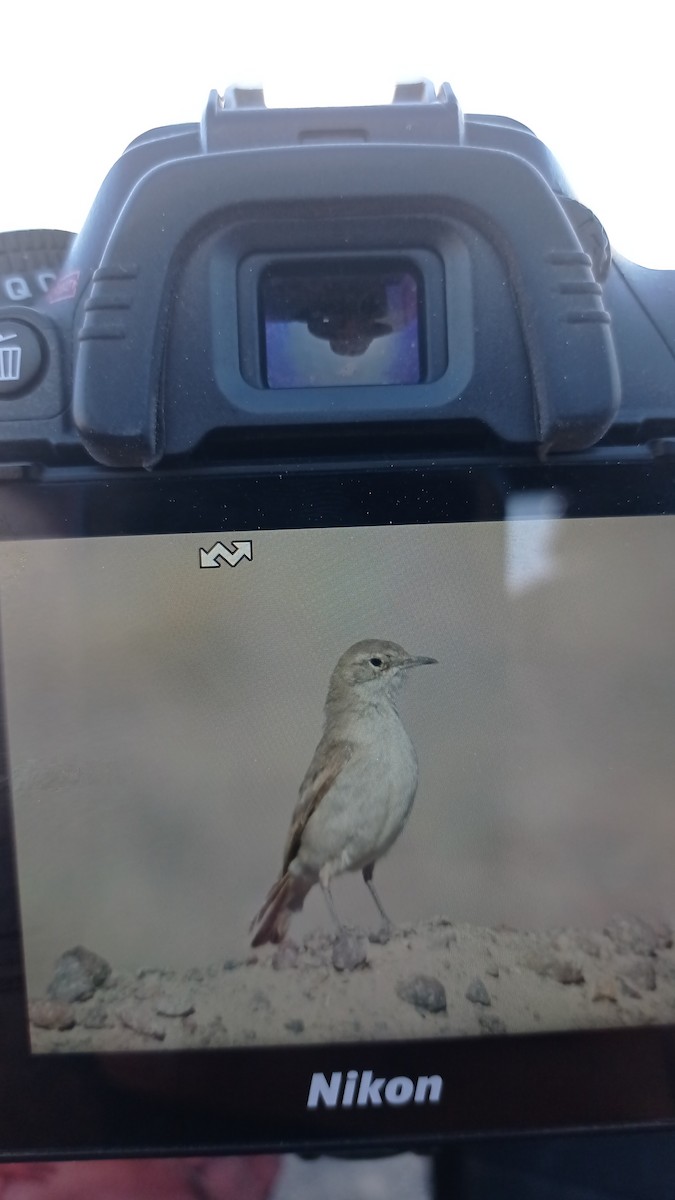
column 380, row 937
column 286, row 955
column 349, row 951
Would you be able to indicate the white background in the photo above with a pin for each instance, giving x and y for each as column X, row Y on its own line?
column 593, row 79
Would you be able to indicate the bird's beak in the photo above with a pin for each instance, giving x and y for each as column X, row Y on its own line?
column 421, row 661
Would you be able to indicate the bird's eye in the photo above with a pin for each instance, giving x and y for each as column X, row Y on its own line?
column 376, row 662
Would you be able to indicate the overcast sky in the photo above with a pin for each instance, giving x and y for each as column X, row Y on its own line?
column 592, row 78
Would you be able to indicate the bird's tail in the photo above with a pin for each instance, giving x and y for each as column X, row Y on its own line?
column 286, row 897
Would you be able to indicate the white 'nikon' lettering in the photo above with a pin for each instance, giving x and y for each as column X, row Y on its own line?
column 372, row 1091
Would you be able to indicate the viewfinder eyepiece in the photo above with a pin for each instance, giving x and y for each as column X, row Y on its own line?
column 326, row 323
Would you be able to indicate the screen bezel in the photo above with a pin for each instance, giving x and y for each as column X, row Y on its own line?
column 256, row 1099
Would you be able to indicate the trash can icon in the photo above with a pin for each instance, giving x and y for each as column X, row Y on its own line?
column 10, row 364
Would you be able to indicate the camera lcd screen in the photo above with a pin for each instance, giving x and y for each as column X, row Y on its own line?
column 164, row 702
column 331, row 324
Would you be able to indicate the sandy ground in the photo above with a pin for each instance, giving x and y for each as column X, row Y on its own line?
column 433, row 980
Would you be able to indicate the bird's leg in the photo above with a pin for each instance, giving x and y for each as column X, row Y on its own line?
column 348, row 949
column 325, row 888
column 367, row 873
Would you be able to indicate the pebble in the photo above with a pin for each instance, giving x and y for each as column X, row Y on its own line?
column 424, row 992
column 97, row 1018
column 491, row 1024
column 50, row 1014
column 605, row 988
column 381, row 936
column 562, row 970
column 141, row 1018
column 77, row 974
column 196, row 975
column 174, row 1004
column 295, row 1026
column 477, row 992
column 442, row 941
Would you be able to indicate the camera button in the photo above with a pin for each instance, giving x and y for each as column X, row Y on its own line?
column 22, row 357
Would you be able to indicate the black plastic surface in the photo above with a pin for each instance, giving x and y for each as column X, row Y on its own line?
column 117, row 396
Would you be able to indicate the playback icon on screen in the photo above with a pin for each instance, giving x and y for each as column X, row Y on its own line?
column 220, row 553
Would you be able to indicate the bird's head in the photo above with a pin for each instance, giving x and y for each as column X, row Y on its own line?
column 373, row 667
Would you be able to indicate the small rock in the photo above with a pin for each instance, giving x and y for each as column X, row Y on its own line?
column 477, row 992
column 381, row 936
column 141, row 1018
column 441, row 940
column 349, row 952
column 491, row 1024
column 97, row 1018
column 295, row 1026
column 174, row 1004
column 628, row 988
column 492, row 969
column 605, row 988
column 148, row 990
column 77, row 974
column 50, row 1014
column 286, row 955
column 230, row 964
column 567, row 972
column 562, row 970
column 197, row 975
column 633, row 935
column 424, row 992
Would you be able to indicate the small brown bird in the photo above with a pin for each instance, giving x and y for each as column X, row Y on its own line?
column 358, row 791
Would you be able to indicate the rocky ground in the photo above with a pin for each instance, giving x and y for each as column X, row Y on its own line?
column 433, row 980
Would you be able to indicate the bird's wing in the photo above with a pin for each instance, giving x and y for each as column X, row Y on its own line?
column 329, row 760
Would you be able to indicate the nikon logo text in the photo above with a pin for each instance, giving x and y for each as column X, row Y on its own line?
column 363, row 1089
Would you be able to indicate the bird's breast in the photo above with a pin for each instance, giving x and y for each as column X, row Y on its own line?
column 387, row 765
column 365, row 809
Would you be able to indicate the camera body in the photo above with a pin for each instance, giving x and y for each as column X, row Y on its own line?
column 488, row 305
column 383, row 363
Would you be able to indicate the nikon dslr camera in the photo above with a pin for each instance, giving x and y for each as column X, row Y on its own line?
column 313, row 398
